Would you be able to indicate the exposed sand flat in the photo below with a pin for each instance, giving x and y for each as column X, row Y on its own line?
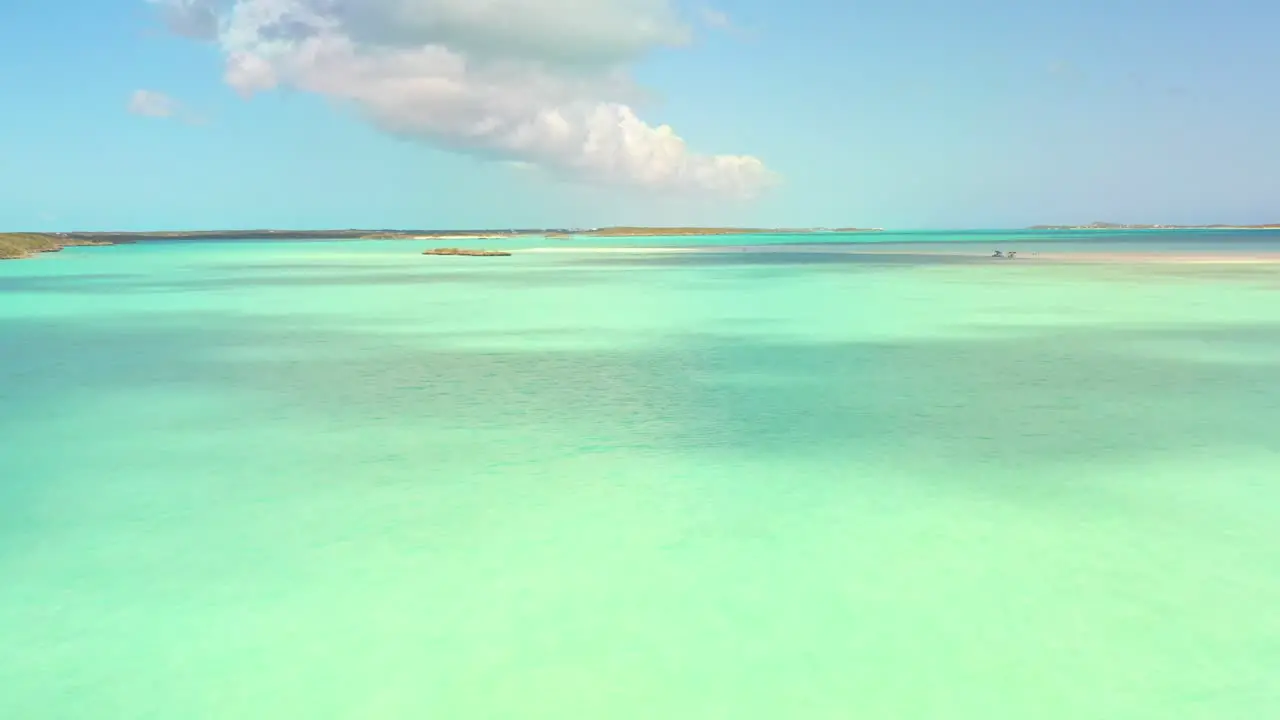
column 1164, row 258
column 459, row 237
column 1160, row 258
column 1104, row 257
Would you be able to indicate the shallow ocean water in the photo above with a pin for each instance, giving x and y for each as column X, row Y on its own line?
column 343, row 480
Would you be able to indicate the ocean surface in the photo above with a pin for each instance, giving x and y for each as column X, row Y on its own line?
column 791, row 479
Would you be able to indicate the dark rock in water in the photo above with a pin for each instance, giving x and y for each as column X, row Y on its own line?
column 470, row 253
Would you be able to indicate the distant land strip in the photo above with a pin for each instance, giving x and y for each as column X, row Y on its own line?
column 22, row 245
column 26, row 244
column 695, row 231
column 1121, row 226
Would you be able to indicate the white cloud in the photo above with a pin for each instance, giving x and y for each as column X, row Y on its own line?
column 534, row 81
column 150, row 103
column 549, row 30
column 153, row 104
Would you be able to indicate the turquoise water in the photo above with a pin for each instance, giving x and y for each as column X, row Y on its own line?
column 343, row 480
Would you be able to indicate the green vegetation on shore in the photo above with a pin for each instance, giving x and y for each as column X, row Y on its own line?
column 22, row 245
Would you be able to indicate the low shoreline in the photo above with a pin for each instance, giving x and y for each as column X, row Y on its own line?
column 1114, row 227
column 639, row 231
column 462, row 252
column 1029, row 250
column 20, row 246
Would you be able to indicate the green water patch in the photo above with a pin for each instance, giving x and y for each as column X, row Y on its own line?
column 632, row 490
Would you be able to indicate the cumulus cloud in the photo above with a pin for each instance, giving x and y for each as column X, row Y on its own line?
column 532, row 81
column 153, row 104
column 572, row 31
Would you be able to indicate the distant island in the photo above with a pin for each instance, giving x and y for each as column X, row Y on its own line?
column 16, row 245
column 627, row 231
column 23, row 245
column 467, row 253
column 453, row 234
column 26, row 244
column 1121, row 226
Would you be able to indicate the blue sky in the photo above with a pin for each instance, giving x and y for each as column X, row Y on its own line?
column 905, row 114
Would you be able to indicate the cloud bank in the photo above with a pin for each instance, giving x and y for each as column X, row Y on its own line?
column 534, row 81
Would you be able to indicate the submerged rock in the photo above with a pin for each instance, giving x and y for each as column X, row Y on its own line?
column 472, row 253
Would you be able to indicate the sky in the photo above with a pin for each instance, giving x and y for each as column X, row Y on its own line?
column 189, row 114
